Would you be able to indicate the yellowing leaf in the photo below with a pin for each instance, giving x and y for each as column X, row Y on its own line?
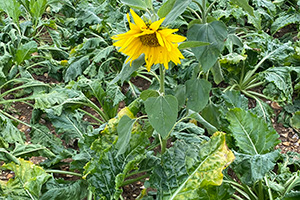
column 215, row 157
column 28, row 180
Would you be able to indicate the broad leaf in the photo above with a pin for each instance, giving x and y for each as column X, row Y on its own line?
column 69, row 124
column 214, row 33
column 24, row 51
column 197, row 92
column 194, row 115
column 76, row 68
column 177, row 8
column 285, row 20
column 12, row 8
column 192, row 44
column 138, row 4
column 162, row 113
column 244, row 4
column 253, row 168
column 9, row 132
column 64, row 190
column 27, row 183
column 124, row 131
column 128, row 69
column 252, row 134
column 187, row 169
column 295, row 120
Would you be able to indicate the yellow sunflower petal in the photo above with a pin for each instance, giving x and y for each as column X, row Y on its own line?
column 155, row 25
column 176, row 38
column 160, row 40
column 137, row 20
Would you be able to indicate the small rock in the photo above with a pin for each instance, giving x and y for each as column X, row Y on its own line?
column 286, row 143
column 276, row 106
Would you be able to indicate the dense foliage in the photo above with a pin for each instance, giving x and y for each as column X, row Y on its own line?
column 195, row 137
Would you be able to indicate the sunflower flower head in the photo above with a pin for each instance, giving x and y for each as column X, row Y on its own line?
column 158, row 44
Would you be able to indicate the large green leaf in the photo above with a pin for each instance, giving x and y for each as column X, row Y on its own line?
column 70, row 124
column 162, row 113
column 285, row 20
column 194, row 115
column 106, row 174
column 244, row 4
column 252, row 134
column 12, row 8
column 197, row 91
column 280, row 87
column 64, row 190
column 138, row 4
column 9, row 132
column 124, row 131
column 128, row 69
column 295, row 120
column 76, row 68
column 253, row 168
column 24, row 51
column 214, row 33
column 27, row 183
column 187, row 169
column 37, row 8
column 173, row 9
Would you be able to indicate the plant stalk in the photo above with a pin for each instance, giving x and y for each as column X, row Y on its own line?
column 162, row 80
column 63, row 172
column 127, row 182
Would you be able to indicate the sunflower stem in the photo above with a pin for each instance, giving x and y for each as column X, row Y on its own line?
column 162, row 80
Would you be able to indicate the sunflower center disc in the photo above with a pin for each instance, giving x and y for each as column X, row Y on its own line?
column 149, row 40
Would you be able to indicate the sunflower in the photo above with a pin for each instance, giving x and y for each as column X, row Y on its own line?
column 158, row 44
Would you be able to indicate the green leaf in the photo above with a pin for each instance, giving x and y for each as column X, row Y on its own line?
column 294, row 195
column 76, row 68
column 285, row 20
column 214, row 33
column 197, row 92
column 178, row 7
column 128, row 69
column 37, row 8
column 124, row 131
column 40, row 134
column 252, row 134
column 162, row 113
column 165, row 8
column 138, row 4
column 24, row 51
column 217, row 73
column 295, row 120
column 188, row 169
column 12, row 8
column 280, row 78
column 29, row 150
column 64, row 190
column 106, row 174
column 9, row 132
column 148, row 93
column 103, row 53
column 6, row 156
column 70, row 124
column 244, row 4
column 87, row 17
column 192, row 44
column 27, row 183
column 114, row 92
column 195, row 115
column 208, row 172
column 254, row 168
